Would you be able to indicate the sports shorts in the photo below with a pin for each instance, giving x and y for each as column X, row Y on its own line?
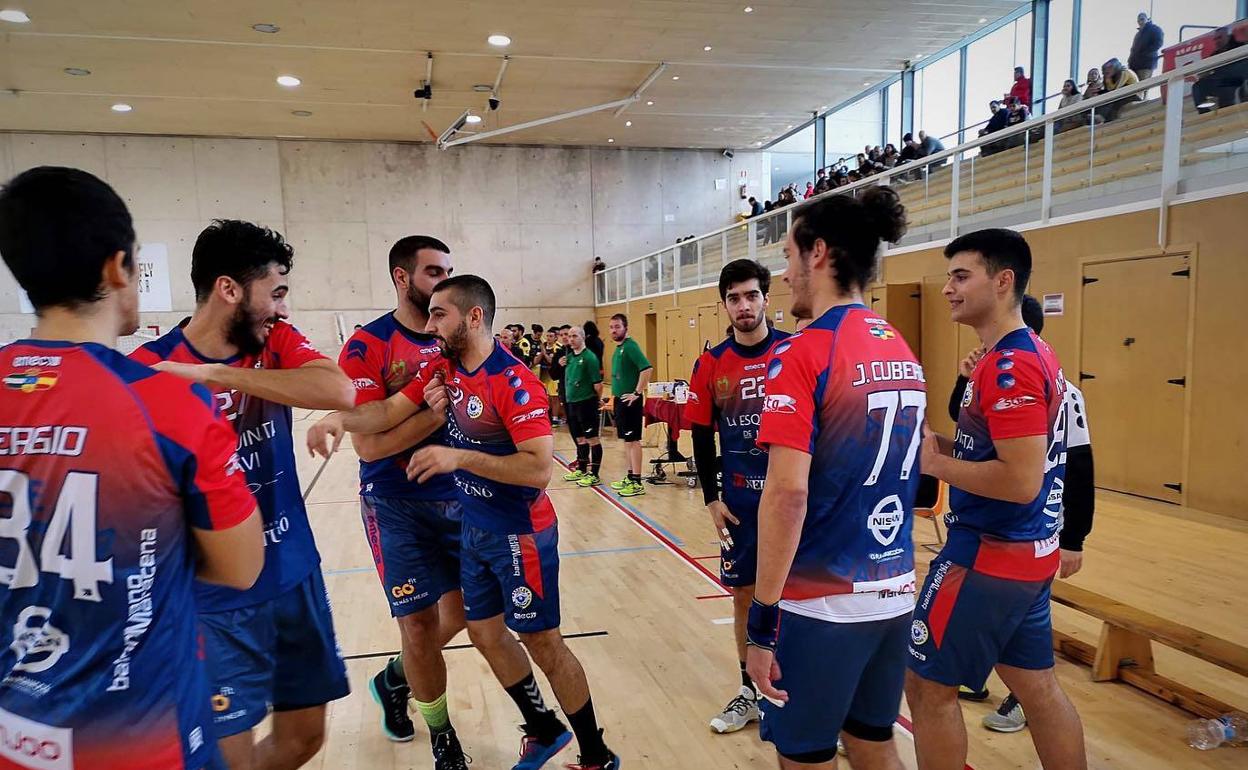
column 628, row 419
column 583, row 418
column 513, row 575
column 415, row 545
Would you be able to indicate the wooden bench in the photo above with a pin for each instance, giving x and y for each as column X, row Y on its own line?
column 1124, row 652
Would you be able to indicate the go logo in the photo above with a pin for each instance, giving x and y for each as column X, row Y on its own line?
column 398, row 592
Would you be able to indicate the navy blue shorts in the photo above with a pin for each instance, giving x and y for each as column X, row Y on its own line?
column 739, row 564
column 281, row 653
column 515, row 575
column 415, row 546
column 966, row 622
column 839, row 676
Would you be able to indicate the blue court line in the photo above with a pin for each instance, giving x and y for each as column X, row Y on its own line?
column 562, row 555
column 657, row 526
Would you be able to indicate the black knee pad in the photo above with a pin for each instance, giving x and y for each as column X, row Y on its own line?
column 817, row 757
column 865, row 732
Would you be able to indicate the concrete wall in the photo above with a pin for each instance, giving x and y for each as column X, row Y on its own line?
column 529, row 219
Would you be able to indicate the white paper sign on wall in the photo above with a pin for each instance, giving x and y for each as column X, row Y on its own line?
column 155, row 295
column 721, row 184
column 1054, row 304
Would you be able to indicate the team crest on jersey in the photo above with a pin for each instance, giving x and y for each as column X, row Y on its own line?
column 918, row 632
column 723, row 386
column 30, row 380
column 878, row 328
column 522, row 597
column 398, row 376
column 475, row 407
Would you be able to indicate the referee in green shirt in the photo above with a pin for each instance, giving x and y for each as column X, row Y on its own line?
column 630, row 377
column 582, row 382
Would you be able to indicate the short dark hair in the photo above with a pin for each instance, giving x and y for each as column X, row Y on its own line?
column 565, row 327
column 621, row 318
column 591, row 329
column 1001, row 249
column 1033, row 314
column 536, row 328
column 58, row 227
column 403, row 252
column 740, row 271
column 907, row 138
column 241, row 250
column 853, row 229
column 470, row 291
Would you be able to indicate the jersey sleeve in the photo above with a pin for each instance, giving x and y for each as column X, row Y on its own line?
column 523, row 408
column 595, row 365
column 1010, row 388
column 290, row 348
column 414, row 391
column 363, row 361
column 699, row 409
column 788, row 417
column 638, row 358
column 145, row 355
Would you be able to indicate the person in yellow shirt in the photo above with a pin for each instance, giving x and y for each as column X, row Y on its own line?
column 1117, row 77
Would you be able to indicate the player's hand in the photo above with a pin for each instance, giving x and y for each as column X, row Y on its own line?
column 967, row 365
column 761, row 665
column 325, row 436
column 436, row 397
column 563, row 360
column 719, row 515
column 931, row 451
column 432, row 461
column 200, row 373
column 629, row 398
column 1072, row 562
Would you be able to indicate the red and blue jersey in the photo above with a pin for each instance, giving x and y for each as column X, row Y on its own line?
column 105, row 465
column 493, row 408
column 381, row 359
column 266, row 453
column 1016, row 390
column 848, row 391
column 726, row 392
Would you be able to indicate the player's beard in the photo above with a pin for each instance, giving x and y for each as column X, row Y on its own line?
column 749, row 325
column 247, row 332
column 800, row 284
column 455, row 343
column 418, row 298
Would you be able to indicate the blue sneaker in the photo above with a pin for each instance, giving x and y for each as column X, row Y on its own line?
column 534, row 754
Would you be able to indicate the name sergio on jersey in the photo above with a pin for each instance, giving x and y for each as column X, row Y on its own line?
column 63, row 440
column 139, row 614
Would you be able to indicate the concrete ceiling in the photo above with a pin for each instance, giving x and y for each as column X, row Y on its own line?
column 196, row 67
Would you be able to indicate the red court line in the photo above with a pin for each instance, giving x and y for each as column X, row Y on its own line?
column 711, row 577
column 713, row 596
column 705, row 558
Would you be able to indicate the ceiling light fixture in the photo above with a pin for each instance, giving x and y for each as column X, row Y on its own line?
column 610, row 141
column 706, row 48
column 628, row 123
column 268, row 29
column 121, row 107
column 77, row 72
column 14, row 16
column 749, row 9
column 498, row 40
column 649, row 104
column 866, row 82
column 983, row 21
column 473, row 119
column 301, row 113
column 289, row 81
column 675, row 77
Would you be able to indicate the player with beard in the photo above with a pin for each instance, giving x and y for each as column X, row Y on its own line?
column 413, row 529
column 500, row 452
column 274, row 643
column 726, row 395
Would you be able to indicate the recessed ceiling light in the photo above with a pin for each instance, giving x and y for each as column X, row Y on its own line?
column 983, row 21
column 121, row 107
column 473, row 119
column 786, row 128
column 77, row 72
column 14, row 16
column 628, row 123
column 749, row 9
column 649, row 104
column 483, row 88
column 758, row 144
column 610, row 141
column 777, row 168
column 301, row 113
column 498, row 40
column 866, row 82
column 268, row 29
column 290, row 81
column 675, row 77
column 706, row 48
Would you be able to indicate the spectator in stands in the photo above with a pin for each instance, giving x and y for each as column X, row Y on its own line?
column 1118, row 77
column 1221, row 87
column 890, row 156
column 756, row 208
column 1146, row 48
column 599, row 265
column 929, row 145
column 1021, row 89
column 999, row 120
column 864, row 165
column 1095, row 86
column 909, row 150
column 810, row 190
column 1070, row 95
column 822, row 183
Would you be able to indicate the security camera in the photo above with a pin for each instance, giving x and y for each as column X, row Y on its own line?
column 424, row 92
column 728, row 153
column 494, row 102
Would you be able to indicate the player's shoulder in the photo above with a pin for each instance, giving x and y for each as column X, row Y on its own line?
column 717, row 351
column 160, row 349
column 779, row 335
column 169, row 401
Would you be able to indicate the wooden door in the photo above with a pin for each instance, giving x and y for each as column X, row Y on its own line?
column 942, row 350
column 1134, row 362
column 903, row 308
column 709, row 330
column 673, row 349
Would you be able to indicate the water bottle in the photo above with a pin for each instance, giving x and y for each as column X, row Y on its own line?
column 1206, row 734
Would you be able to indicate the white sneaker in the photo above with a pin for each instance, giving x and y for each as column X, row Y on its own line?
column 840, row 748
column 739, row 712
column 1008, row 718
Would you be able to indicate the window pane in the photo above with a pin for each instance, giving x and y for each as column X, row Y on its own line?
column 1108, row 26
column 936, row 98
column 852, row 128
column 1061, row 17
column 893, row 130
column 793, row 160
column 990, row 64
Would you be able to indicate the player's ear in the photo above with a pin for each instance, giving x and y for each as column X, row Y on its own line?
column 230, row 289
column 116, row 273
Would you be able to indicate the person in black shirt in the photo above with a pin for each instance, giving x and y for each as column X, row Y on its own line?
column 1146, row 47
column 593, row 340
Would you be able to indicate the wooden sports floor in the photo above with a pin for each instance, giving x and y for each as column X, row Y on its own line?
column 646, row 619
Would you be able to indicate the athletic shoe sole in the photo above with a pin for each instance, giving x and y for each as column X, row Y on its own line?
column 372, row 689
column 559, row 745
column 1013, row 727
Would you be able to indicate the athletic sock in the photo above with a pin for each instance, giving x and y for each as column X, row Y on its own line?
column 395, row 676
column 435, row 715
column 595, row 459
column 635, row 478
column 582, row 457
column 539, row 721
column 746, row 681
column 588, row 737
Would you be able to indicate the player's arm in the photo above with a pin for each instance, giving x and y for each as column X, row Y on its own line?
column 530, row 466
column 1014, row 476
column 1078, row 498
column 317, row 384
column 415, row 429
column 231, row 557
column 781, row 513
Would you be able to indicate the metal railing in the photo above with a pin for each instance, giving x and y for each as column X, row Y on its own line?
column 1112, row 160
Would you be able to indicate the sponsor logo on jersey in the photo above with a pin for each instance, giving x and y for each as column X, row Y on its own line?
column 399, row 591
column 1004, row 404
column 363, row 383
column 918, row 632
column 220, row 702
column 886, row 520
column 27, row 743
column 968, row 395
column 755, row 367
column 521, row 397
column 21, row 361
column 774, row 368
column 1006, row 381
column 780, row 404
column 533, row 415
column 37, row 643
column 30, row 380
column 475, row 407
column 878, row 328
column 455, row 393
column 522, row 597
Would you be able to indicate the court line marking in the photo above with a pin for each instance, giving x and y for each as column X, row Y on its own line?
column 392, row 653
column 713, row 596
column 724, row 621
column 655, row 531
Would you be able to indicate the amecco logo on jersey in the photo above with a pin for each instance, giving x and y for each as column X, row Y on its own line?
column 780, row 404
column 32, row 744
column 37, row 361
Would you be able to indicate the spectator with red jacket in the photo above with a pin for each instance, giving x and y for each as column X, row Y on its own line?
column 1021, row 89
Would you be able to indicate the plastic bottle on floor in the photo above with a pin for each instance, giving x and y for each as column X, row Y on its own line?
column 1229, row 729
